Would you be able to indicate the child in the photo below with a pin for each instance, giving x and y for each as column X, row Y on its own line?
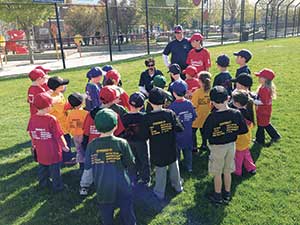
column 174, row 71
column 37, row 77
column 242, row 154
column 224, row 77
column 201, row 102
column 221, row 129
column 48, row 142
column 75, row 119
column 198, row 56
column 93, row 88
column 191, row 80
column 161, row 126
column 109, row 158
column 242, row 58
column 266, row 93
column 46, row 71
column 186, row 114
column 105, row 69
column 133, row 123
column 58, row 86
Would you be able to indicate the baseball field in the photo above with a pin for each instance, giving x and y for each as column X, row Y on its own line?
column 270, row 197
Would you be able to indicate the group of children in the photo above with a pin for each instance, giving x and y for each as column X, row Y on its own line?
column 117, row 137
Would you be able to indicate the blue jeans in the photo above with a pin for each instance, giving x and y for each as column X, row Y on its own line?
column 187, row 157
column 53, row 172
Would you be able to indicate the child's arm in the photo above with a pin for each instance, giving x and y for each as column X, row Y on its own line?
column 63, row 142
column 177, row 124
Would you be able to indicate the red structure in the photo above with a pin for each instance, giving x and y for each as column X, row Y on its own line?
column 12, row 44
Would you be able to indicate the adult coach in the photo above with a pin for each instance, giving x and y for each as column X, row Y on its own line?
column 179, row 48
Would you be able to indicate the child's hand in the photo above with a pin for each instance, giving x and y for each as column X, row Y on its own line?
column 65, row 149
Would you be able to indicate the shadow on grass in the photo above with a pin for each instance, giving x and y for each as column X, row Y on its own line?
column 14, row 149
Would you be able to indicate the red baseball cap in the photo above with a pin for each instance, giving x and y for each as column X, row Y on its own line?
column 42, row 101
column 108, row 94
column 35, row 74
column 114, row 75
column 266, row 73
column 42, row 68
column 190, row 70
column 196, row 37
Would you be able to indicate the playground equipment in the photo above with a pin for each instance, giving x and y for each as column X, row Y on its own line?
column 2, row 51
column 16, row 36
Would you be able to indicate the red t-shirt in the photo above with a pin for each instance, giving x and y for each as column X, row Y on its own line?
column 32, row 92
column 193, row 84
column 124, row 100
column 45, row 133
column 263, row 112
column 89, row 128
column 45, row 86
column 199, row 59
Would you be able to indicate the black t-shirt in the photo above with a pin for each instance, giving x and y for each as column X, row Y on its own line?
column 161, row 127
column 224, row 127
column 224, row 79
column 134, row 123
column 244, row 69
column 179, row 51
column 145, row 79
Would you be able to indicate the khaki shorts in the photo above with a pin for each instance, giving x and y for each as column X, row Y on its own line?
column 221, row 159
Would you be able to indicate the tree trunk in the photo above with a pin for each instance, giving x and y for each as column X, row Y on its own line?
column 31, row 56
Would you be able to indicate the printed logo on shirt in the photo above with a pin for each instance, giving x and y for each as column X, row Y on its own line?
column 41, row 134
column 160, row 127
column 197, row 63
column 93, row 130
column 203, row 101
column 105, row 156
column 30, row 98
column 76, row 123
column 185, row 116
column 226, row 127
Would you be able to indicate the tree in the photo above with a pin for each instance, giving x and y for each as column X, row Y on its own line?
column 25, row 15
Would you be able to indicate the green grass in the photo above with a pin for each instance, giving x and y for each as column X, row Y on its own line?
column 270, row 197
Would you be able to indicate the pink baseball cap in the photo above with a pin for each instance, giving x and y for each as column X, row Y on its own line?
column 35, row 74
column 266, row 73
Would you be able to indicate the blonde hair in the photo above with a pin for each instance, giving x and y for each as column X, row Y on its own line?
column 205, row 78
column 269, row 84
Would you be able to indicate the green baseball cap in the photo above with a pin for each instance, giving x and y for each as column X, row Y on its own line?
column 159, row 81
column 105, row 120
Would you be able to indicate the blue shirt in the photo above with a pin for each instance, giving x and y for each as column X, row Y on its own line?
column 92, row 99
column 244, row 69
column 224, row 79
column 186, row 115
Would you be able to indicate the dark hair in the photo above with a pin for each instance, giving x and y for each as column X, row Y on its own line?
column 240, row 97
column 205, row 78
column 109, row 82
column 148, row 61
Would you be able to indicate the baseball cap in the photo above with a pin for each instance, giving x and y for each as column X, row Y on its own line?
column 114, row 75
column 105, row 120
column 196, row 37
column 43, row 68
column 55, row 82
column 157, row 96
column 137, row 99
column 35, row 74
column 94, row 72
column 42, row 101
column 178, row 29
column 174, row 68
column 75, row 99
column 106, row 68
column 244, row 79
column 223, row 60
column 108, row 94
column 218, row 94
column 244, row 53
column 241, row 97
column 179, row 87
column 159, row 81
column 266, row 73
column 191, row 70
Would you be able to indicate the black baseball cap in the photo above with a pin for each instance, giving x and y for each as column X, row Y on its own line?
column 244, row 53
column 137, row 99
column 75, row 99
column 244, row 79
column 223, row 60
column 218, row 94
column 157, row 96
column 241, row 97
column 175, row 69
column 55, row 82
column 178, row 29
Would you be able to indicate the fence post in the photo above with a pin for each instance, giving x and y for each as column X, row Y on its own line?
column 277, row 17
column 298, row 28
column 294, row 17
column 202, row 24
column 242, row 18
column 108, row 30
column 266, row 20
column 117, row 24
column 59, row 36
column 223, row 19
column 177, row 11
column 286, row 17
column 147, row 27
column 254, row 22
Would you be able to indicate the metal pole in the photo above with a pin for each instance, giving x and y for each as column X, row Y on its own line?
column 286, row 17
column 254, row 22
column 202, row 24
column 177, row 12
column 147, row 27
column 266, row 20
column 277, row 17
column 223, row 19
column 59, row 36
column 242, row 18
column 294, row 17
column 117, row 24
column 108, row 30
column 298, row 28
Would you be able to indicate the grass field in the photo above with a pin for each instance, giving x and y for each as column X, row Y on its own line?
column 270, row 197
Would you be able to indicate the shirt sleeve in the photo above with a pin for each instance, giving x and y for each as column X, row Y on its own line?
column 208, row 61
column 88, row 162
column 94, row 94
column 243, row 128
column 188, row 58
column 207, row 128
column 167, row 49
column 176, row 123
column 142, row 80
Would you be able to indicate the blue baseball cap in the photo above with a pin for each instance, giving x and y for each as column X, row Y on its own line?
column 179, row 87
column 223, row 60
column 137, row 99
column 244, row 53
column 175, row 69
column 94, row 72
column 107, row 68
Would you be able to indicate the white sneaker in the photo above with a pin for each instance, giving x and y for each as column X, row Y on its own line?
column 83, row 191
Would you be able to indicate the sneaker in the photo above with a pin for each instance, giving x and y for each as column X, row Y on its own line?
column 83, row 191
column 253, row 172
column 216, row 198
column 226, row 197
column 258, row 143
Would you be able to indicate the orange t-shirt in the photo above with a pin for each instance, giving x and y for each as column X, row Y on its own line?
column 201, row 102
column 75, row 120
